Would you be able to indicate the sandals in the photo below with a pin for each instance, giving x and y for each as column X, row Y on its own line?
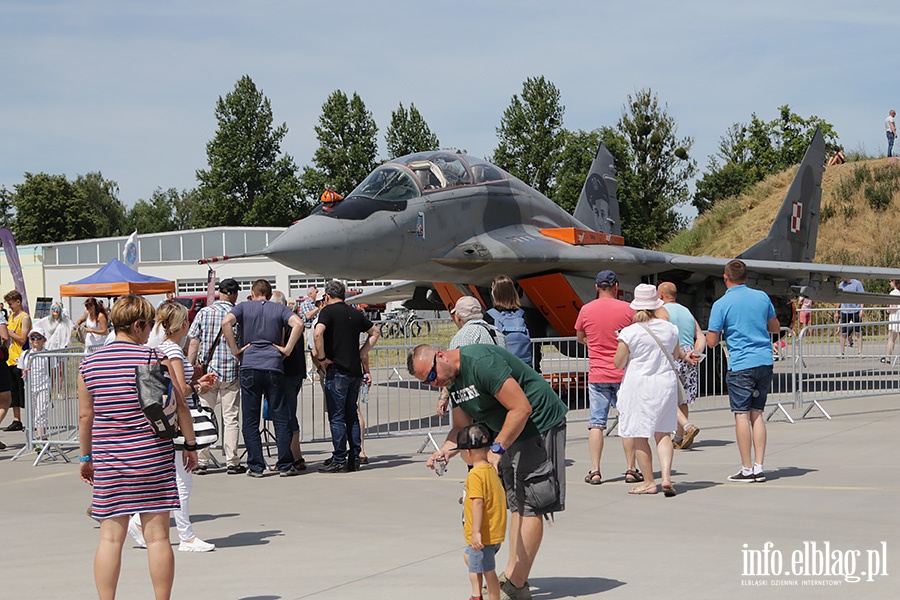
column 633, row 476
column 643, row 491
column 669, row 491
column 589, row 478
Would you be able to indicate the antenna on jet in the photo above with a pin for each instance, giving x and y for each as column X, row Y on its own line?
column 455, row 150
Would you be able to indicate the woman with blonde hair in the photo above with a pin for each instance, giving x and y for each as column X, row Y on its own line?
column 130, row 468
column 58, row 327
column 648, row 396
column 172, row 321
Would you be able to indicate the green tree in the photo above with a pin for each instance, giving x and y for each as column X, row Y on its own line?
column 348, row 145
column 249, row 181
column 408, row 133
column 103, row 197
column 531, row 135
column 154, row 215
column 575, row 158
column 661, row 168
column 6, row 207
column 751, row 152
column 50, row 208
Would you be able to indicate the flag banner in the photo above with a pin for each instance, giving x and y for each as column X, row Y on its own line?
column 15, row 267
column 130, row 252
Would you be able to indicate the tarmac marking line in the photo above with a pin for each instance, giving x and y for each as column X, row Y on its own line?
column 38, row 478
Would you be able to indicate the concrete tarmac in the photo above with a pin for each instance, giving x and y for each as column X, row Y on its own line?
column 393, row 530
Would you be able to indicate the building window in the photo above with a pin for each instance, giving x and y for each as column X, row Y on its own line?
column 108, row 251
column 68, row 254
column 234, row 243
column 149, row 250
column 256, row 240
column 171, row 247
column 212, row 244
column 191, row 246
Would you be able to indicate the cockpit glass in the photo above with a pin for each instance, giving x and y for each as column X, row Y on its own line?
column 386, row 188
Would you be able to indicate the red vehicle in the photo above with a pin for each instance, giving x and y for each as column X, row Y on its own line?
column 193, row 303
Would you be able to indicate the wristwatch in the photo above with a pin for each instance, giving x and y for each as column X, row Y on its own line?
column 321, row 358
column 496, row 448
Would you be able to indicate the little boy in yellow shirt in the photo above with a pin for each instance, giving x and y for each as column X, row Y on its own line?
column 484, row 510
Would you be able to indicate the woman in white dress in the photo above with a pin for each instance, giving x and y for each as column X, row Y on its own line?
column 894, row 318
column 96, row 324
column 648, row 396
column 58, row 327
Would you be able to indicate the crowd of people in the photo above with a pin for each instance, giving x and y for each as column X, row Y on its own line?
column 508, row 423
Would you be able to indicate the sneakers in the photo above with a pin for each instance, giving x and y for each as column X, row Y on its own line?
column 508, row 591
column 333, row 467
column 759, row 477
column 196, row 545
column 200, row 470
column 136, row 533
column 236, row 469
column 690, row 433
column 289, row 472
column 740, row 477
column 15, row 426
column 256, row 474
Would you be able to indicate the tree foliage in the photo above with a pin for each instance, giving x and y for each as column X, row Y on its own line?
column 6, row 208
column 531, row 135
column 249, row 182
column 408, row 133
column 751, row 152
column 348, row 146
column 654, row 172
column 50, row 208
column 166, row 211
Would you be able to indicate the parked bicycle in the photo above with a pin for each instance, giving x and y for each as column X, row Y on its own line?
column 403, row 323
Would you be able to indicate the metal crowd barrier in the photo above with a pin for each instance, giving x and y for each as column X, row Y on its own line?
column 51, row 404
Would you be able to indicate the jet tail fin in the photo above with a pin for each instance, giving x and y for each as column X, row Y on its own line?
column 792, row 237
column 598, row 207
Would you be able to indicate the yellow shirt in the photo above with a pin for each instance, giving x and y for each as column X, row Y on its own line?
column 15, row 348
column 483, row 482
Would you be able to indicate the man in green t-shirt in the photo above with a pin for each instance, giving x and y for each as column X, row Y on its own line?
column 489, row 384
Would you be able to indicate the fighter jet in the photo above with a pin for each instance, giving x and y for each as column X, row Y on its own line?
column 448, row 222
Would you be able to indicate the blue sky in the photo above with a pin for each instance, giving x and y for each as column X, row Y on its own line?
column 129, row 88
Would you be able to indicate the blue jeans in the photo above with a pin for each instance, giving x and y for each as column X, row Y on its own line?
column 255, row 384
column 341, row 393
column 292, row 385
column 890, row 138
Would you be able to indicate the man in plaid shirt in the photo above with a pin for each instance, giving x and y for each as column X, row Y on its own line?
column 227, row 390
column 309, row 312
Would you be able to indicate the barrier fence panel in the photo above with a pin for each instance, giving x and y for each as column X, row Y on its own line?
column 829, row 367
column 51, row 404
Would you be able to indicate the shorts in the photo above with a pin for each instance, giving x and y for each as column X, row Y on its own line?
column 484, row 560
column 805, row 318
column 749, row 388
column 852, row 317
column 601, row 397
column 17, row 386
column 5, row 380
column 533, row 473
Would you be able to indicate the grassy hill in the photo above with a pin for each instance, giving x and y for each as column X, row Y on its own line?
column 859, row 223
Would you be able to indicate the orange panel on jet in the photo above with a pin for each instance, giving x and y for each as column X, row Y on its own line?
column 583, row 237
column 448, row 292
column 556, row 300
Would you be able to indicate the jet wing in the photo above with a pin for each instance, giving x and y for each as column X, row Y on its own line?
column 402, row 290
column 785, row 270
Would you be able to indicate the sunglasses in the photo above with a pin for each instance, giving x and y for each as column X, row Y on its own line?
column 432, row 375
column 36, row 337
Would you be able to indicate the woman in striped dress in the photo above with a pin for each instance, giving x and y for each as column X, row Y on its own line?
column 130, row 469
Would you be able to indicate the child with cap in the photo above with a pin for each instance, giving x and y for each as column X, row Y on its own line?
column 36, row 370
column 484, row 510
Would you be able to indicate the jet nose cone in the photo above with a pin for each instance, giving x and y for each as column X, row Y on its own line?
column 312, row 245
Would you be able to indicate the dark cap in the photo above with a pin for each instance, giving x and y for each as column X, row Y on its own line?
column 229, row 286
column 476, row 435
column 607, row 278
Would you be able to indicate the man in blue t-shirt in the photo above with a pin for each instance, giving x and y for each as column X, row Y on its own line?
column 745, row 318
column 850, row 314
column 262, row 372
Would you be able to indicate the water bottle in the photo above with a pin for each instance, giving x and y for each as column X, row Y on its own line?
column 364, row 389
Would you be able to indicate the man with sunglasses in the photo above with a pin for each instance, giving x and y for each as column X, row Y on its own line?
column 489, row 384
column 337, row 335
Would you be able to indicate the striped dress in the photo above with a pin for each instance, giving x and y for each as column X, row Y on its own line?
column 134, row 471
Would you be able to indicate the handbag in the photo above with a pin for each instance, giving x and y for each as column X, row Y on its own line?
column 154, row 390
column 682, row 395
column 200, row 369
column 206, row 427
column 78, row 333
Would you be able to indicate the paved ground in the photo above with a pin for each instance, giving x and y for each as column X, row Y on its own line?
column 393, row 530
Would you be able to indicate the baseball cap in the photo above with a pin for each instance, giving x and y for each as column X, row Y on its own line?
column 476, row 435
column 467, row 308
column 229, row 286
column 38, row 331
column 607, row 278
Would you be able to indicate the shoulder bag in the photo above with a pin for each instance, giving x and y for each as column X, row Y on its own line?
column 206, row 427
column 682, row 395
column 200, row 369
column 154, row 390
